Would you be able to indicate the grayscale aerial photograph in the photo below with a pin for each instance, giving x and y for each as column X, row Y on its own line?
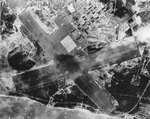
column 74, row 59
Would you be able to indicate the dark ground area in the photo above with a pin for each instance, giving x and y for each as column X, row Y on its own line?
column 121, row 89
column 124, row 92
column 7, row 20
column 43, row 94
column 66, row 62
column 19, row 59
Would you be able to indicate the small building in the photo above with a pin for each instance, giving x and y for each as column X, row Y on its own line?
column 46, row 75
column 63, row 40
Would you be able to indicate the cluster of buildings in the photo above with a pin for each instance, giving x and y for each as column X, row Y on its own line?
column 92, row 21
column 78, row 26
column 65, row 40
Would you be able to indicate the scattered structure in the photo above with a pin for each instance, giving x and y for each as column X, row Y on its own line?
column 64, row 40
column 100, row 37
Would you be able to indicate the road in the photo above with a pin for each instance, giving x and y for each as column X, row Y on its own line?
column 140, row 98
column 51, row 44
